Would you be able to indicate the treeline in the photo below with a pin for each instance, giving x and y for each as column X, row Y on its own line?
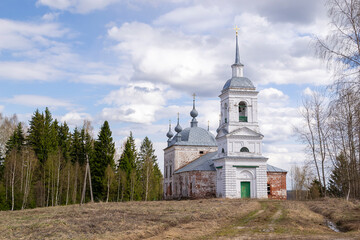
column 331, row 117
column 47, row 165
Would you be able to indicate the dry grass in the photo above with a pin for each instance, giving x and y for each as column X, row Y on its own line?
column 346, row 214
column 192, row 219
column 130, row 220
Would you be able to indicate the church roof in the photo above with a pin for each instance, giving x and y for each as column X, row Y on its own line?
column 271, row 168
column 195, row 136
column 239, row 82
column 203, row 163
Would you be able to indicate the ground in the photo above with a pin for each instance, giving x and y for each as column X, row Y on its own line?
column 190, row 219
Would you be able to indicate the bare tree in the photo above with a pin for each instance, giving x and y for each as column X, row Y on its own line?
column 301, row 179
column 341, row 47
column 315, row 134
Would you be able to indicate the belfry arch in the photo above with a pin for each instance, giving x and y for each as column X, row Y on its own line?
column 243, row 112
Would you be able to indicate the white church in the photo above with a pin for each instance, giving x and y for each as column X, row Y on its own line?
column 231, row 165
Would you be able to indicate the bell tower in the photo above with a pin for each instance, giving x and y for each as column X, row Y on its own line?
column 240, row 164
column 238, row 99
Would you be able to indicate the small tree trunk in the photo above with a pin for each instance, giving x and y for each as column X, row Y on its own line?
column 13, row 184
column 75, row 182
column 57, row 182
column 108, row 189
column 68, row 186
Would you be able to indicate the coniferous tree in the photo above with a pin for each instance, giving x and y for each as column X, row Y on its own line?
column 147, row 160
column 339, row 182
column 36, row 134
column 104, row 151
column 16, row 140
column 127, row 166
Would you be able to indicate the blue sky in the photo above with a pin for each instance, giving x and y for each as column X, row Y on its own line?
column 136, row 63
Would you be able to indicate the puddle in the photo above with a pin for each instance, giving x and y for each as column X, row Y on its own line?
column 332, row 225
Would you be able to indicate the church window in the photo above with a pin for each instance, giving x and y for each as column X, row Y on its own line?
column 166, row 171
column 170, row 171
column 268, row 189
column 225, row 112
column 201, row 152
column 242, row 112
column 244, row 149
column 222, row 150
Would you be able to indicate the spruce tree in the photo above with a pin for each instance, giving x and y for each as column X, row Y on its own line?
column 127, row 165
column 339, row 180
column 16, row 140
column 64, row 138
column 104, row 151
column 36, row 134
column 147, row 160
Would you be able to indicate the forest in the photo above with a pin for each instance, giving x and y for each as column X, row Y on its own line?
column 46, row 164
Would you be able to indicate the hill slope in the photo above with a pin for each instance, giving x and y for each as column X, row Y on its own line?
column 193, row 219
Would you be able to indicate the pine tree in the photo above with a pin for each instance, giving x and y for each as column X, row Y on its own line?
column 104, row 151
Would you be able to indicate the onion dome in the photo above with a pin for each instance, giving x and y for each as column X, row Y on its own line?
column 178, row 128
column 170, row 133
column 194, row 114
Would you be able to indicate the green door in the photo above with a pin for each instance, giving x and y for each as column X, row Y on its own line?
column 245, row 189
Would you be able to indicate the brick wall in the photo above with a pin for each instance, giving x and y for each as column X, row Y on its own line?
column 194, row 184
column 277, row 181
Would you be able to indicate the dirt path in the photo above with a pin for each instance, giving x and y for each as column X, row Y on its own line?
column 281, row 220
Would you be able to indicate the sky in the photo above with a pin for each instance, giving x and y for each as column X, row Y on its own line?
column 136, row 63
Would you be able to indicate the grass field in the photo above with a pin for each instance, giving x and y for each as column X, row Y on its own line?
column 190, row 219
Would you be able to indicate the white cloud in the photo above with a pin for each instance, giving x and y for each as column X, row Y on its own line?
column 136, row 102
column 272, row 96
column 51, row 16
column 1, row 108
column 308, row 92
column 75, row 118
column 28, row 71
column 16, row 35
column 186, row 62
column 78, row 6
column 38, row 101
column 197, row 18
column 272, row 53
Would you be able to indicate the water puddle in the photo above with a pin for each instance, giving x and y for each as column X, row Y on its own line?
column 332, row 225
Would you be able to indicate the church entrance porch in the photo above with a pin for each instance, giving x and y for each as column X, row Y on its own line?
column 245, row 189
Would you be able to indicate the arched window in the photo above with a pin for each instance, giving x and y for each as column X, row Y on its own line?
column 225, row 112
column 222, row 150
column 242, row 112
column 244, row 149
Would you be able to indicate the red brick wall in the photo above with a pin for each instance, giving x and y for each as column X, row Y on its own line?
column 195, row 184
column 277, row 183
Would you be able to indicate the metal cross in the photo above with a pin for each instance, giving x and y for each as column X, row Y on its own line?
column 236, row 30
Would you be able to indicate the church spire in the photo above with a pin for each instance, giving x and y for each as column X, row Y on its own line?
column 237, row 67
column 237, row 55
